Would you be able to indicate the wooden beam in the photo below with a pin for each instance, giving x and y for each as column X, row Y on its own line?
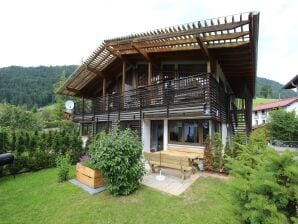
column 97, row 72
column 78, row 92
column 113, row 51
column 208, row 67
column 123, row 76
column 195, row 31
column 142, row 52
column 104, row 83
column 203, row 47
column 149, row 73
column 188, row 40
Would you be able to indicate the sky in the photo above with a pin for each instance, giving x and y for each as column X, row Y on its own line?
column 64, row 32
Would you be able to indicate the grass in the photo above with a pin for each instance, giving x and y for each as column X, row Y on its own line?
column 38, row 198
column 259, row 101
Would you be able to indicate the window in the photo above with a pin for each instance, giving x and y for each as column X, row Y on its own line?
column 188, row 131
column 175, row 131
column 191, row 132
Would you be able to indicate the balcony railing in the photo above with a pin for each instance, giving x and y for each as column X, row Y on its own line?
column 190, row 89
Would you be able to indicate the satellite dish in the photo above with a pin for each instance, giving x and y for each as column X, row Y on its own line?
column 69, row 104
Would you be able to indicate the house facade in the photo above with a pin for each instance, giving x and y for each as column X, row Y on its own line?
column 261, row 113
column 174, row 86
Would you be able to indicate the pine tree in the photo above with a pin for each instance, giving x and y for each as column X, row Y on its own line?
column 238, row 141
column 217, row 159
column 207, row 155
column 227, row 154
column 4, row 140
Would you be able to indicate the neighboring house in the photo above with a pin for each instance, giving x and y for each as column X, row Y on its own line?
column 175, row 85
column 261, row 112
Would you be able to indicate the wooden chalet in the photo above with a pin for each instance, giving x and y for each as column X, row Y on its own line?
column 175, row 85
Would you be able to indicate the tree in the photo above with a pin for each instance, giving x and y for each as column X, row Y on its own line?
column 217, row 159
column 207, row 155
column 18, row 118
column 266, row 91
column 4, row 140
column 59, row 99
column 238, row 141
column 264, row 184
column 283, row 125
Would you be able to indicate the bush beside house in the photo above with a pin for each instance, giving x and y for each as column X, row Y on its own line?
column 118, row 155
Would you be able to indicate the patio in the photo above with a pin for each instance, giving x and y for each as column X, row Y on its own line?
column 173, row 184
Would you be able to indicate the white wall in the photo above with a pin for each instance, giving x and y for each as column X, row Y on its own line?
column 258, row 119
column 293, row 107
column 165, row 135
column 224, row 133
column 146, row 135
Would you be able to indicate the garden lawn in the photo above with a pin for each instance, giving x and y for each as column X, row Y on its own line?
column 38, row 198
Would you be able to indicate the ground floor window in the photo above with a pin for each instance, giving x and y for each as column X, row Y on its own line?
column 188, row 131
column 86, row 129
column 103, row 126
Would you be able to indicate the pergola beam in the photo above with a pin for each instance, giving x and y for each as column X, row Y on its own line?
column 204, row 48
column 142, row 52
column 95, row 71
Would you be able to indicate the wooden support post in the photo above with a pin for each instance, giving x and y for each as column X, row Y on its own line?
column 123, row 76
column 104, row 83
column 149, row 73
column 209, row 66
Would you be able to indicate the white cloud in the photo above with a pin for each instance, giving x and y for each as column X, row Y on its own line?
column 55, row 32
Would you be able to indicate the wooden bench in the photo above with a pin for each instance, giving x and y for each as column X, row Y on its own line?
column 198, row 153
column 162, row 159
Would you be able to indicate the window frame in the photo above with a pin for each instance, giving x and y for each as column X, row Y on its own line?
column 200, row 132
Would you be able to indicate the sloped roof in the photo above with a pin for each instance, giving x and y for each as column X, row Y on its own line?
column 276, row 104
column 293, row 83
column 236, row 33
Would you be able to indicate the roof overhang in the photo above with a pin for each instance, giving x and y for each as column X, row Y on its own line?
column 232, row 40
column 293, row 83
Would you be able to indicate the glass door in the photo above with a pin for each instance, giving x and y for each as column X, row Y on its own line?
column 156, row 136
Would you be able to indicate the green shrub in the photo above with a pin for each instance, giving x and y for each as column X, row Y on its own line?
column 264, row 187
column 227, row 154
column 118, row 155
column 217, row 158
column 238, row 141
column 207, row 155
column 283, row 125
column 63, row 166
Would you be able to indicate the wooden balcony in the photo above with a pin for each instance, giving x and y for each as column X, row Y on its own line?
column 172, row 94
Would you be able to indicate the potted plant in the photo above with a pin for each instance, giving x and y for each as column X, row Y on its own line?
column 87, row 174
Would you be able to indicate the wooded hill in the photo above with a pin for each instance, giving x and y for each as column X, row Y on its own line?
column 34, row 85
column 276, row 89
column 30, row 85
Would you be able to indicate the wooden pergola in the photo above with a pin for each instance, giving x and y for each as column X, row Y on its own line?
column 230, row 41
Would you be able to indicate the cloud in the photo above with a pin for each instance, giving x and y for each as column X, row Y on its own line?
column 57, row 32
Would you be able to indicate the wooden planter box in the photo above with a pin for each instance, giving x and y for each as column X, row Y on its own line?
column 88, row 176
